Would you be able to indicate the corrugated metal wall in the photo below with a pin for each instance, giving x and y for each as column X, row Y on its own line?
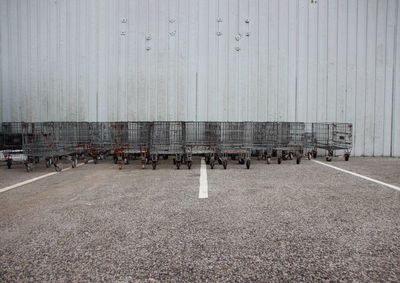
column 107, row 60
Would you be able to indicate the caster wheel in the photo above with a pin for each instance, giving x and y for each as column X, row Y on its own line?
column 29, row 167
column 96, row 160
column 347, row 157
column 126, row 161
column 212, row 163
column 189, row 164
column 207, row 160
column 298, row 160
column 309, row 156
column 241, row 161
column 329, row 158
column 48, row 163
column 248, row 162
column 58, row 167
column 314, row 154
column 74, row 163
column 154, row 165
column 268, row 160
column 9, row 163
column 290, row 156
column 279, row 160
column 178, row 165
column 225, row 164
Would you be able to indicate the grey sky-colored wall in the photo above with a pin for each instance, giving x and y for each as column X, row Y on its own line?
column 256, row 60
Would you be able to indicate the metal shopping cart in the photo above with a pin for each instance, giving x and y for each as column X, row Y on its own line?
column 130, row 140
column 11, row 143
column 289, row 141
column 51, row 141
column 201, row 138
column 166, row 139
column 331, row 137
column 235, row 142
column 263, row 137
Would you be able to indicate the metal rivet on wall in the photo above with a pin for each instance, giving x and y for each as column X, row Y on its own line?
column 123, row 33
column 148, row 48
column 238, row 37
column 148, row 37
column 219, row 20
column 172, row 20
column 124, row 21
column 172, row 33
column 246, row 21
column 237, row 48
column 219, row 33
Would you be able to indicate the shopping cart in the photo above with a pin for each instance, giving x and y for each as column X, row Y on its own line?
column 11, row 143
column 263, row 137
column 94, row 140
column 235, row 142
column 130, row 140
column 201, row 138
column 331, row 137
column 51, row 141
column 289, row 141
column 166, row 139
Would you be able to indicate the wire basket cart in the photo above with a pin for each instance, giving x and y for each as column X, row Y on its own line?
column 130, row 140
column 201, row 138
column 94, row 140
column 332, row 137
column 11, row 142
column 263, row 137
column 166, row 139
column 289, row 141
column 235, row 142
column 51, row 141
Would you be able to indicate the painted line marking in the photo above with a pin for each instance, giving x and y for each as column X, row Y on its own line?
column 203, row 189
column 360, row 176
column 36, row 179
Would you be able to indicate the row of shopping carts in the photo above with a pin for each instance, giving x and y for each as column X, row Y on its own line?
column 217, row 142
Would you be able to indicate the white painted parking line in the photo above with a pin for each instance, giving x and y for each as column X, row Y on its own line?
column 203, row 189
column 359, row 175
column 27, row 182
column 35, row 179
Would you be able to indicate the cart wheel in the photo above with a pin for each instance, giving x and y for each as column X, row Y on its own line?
column 126, row 161
column 248, row 163
column 74, row 163
column 347, row 157
column 120, row 167
column 29, row 167
column 154, row 165
column 58, row 167
column 48, row 163
column 329, row 158
column 309, row 155
column 208, row 160
column 279, row 160
column 225, row 163
column 298, row 160
column 178, row 165
column 95, row 160
column 115, row 160
column 268, row 160
column 36, row 160
column 189, row 164
column 241, row 161
column 212, row 163
column 314, row 154
column 290, row 155
column 174, row 161
column 9, row 163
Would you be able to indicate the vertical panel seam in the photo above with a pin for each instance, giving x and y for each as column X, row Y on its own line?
column 394, row 76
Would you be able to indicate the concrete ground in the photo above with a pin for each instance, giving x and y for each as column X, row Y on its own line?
column 271, row 223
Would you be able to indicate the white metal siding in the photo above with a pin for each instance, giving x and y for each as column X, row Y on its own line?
column 108, row 60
